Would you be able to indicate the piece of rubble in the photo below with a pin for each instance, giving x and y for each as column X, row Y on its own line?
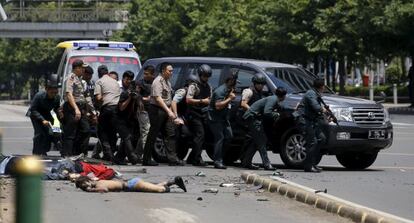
column 199, row 198
column 226, row 185
column 211, row 190
column 200, row 174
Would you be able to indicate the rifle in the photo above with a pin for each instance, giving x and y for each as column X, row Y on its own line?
column 329, row 112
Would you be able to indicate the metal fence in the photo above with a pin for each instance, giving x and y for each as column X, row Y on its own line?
column 66, row 15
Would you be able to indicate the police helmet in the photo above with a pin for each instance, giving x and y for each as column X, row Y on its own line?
column 259, row 79
column 53, row 81
column 204, row 69
column 191, row 79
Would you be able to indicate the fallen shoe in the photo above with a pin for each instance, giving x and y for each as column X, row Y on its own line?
column 180, row 183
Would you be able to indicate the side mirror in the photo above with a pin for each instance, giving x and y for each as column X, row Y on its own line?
column 384, row 97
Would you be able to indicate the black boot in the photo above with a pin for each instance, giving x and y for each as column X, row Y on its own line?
column 179, row 182
column 129, row 150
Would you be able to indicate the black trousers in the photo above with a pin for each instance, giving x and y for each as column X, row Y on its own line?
column 75, row 133
column 314, row 138
column 160, row 123
column 256, row 142
column 125, row 129
column 222, row 134
column 107, row 123
column 197, row 126
column 42, row 138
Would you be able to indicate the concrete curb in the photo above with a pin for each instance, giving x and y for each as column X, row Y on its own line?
column 326, row 202
column 401, row 110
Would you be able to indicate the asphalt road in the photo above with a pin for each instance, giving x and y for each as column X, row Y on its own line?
column 66, row 204
column 388, row 185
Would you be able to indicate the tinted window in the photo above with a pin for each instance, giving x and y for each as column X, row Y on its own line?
column 245, row 77
column 295, row 78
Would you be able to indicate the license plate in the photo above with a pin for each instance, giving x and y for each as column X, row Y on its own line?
column 376, row 134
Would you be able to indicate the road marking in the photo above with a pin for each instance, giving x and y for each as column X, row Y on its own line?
column 397, row 154
column 16, row 127
column 374, row 167
column 171, row 215
column 402, row 124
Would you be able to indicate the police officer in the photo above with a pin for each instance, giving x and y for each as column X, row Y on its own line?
column 144, row 89
column 128, row 106
column 75, row 122
column 198, row 99
column 39, row 113
column 107, row 94
column 219, row 108
column 263, row 108
column 311, row 111
column 254, row 93
column 162, row 117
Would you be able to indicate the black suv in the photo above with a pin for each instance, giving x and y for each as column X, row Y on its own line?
column 364, row 126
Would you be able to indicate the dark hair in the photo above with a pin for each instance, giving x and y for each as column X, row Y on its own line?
column 280, row 92
column 88, row 70
column 128, row 74
column 115, row 73
column 164, row 66
column 233, row 74
column 81, row 181
column 150, row 69
column 102, row 70
column 318, row 83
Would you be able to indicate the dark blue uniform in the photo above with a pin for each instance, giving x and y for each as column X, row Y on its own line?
column 39, row 111
column 310, row 109
column 219, row 122
column 263, row 108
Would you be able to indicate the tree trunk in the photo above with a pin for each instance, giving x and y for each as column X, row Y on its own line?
column 342, row 75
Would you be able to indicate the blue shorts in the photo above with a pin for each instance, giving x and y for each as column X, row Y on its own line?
column 132, row 182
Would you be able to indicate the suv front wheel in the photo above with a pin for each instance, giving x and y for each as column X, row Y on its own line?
column 357, row 160
column 293, row 151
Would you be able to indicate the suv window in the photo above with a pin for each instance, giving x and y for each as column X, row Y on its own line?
column 216, row 71
column 245, row 77
column 294, row 77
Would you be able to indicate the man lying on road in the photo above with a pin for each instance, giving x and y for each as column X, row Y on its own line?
column 133, row 185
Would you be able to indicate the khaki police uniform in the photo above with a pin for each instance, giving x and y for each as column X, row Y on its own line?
column 76, row 133
column 160, row 122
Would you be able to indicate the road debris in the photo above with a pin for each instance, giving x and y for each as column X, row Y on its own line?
column 320, row 191
column 226, row 185
column 237, row 193
column 260, row 191
column 199, row 198
column 211, row 190
column 262, row 199
column 200, row 174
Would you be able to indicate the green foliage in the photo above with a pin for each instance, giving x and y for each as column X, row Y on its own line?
column 394, row 73
column 364, row 91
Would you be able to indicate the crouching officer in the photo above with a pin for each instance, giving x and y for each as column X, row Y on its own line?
column 39, row 113
column 254, row 93
column 198, row 99
column 220, row 105
column 310, row 111
column 261, row 109
column 75, row 121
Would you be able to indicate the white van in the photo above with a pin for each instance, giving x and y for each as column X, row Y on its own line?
column 117, row 56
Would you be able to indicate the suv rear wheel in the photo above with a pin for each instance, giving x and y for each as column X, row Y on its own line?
column 357, row 160
column 293, row 151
